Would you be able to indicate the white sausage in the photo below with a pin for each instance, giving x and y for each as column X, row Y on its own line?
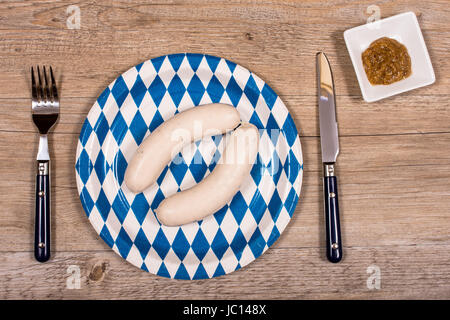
column 219, row 187
column 158, row 149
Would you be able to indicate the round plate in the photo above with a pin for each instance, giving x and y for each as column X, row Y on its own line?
column 132, row 107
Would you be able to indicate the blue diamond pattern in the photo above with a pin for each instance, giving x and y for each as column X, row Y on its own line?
column 275, row 167
column 180, row 244
column 217, row 139
column 157, row 62
column 215, row 89
column 101, row 167
column 273, row 134
column 101, row 128
column 176, row 89
column 91, row 159
column 198, row 167
column 156, row 121
column 176, row 60
column 219, row 271
column 272, row 125
column 200, row 273
column 257, row 243
column 161, row 244
column 231, row 65
column 106, row 236
column 213, row 62
column 256, row 121
column 138, row 128
column 162, row 175
column 238, row 207
column 141, row 242
column 251, row 91
column 86, row 201
column 140, row 207
column 219, row 215
column 219, row 244
column 138, row 91
column 139, row 66
column 214, row 160
column 269, row 96
column 163, row 272
column 196, row 89
column 120, row 165
column 120, row 206
column 291, row 201
column 157, row 90
column 294, row 166
column 275, row 205
column 194, row 60
column 274, row 235
column 86, row 130
column 178, row 170
column 157, row 199
column 182, row 273
column 289, row 130
column 123, row 242
column 84, row 166
column 119, row 91
column 257, row 170
column 257, row 206
column 234, row 91
column 238, row 243
column 103, row 97
column 119, row 128
column 103, row 205
column 200, row 245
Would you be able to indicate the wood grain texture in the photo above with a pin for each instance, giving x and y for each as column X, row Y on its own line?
column 394, row 166
column 303, row 275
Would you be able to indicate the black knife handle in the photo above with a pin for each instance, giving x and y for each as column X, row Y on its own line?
column 42, row 219
column 332, row 224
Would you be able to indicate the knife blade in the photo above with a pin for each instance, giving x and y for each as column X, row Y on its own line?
column 329, row 143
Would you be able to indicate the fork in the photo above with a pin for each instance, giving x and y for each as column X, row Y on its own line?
column 45, row 112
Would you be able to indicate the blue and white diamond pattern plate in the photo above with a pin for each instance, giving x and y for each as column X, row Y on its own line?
column 129, row 109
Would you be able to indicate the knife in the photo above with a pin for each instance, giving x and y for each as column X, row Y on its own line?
column 329, row 143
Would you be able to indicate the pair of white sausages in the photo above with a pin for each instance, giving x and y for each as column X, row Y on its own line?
column 214, row 191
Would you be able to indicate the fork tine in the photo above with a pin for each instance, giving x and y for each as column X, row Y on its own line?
column 34, row 93
column 40, row 87
column 54, row 90
column 47, row 88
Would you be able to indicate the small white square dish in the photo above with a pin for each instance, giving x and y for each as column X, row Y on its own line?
column 405, row 29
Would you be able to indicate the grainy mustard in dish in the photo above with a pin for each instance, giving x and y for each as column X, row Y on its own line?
column 386, row 61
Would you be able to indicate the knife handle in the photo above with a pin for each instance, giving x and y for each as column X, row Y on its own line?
column 332, row 224
column 42, row 219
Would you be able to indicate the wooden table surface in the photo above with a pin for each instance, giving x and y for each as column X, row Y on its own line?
column 394, row 166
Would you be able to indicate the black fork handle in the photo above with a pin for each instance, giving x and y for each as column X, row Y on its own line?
column 42, row 220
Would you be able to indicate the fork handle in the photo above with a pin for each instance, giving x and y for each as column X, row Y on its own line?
column 42, row 220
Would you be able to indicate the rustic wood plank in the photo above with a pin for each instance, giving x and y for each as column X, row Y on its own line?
column 407, row 272
column 90, row 58
column 123, row 14
column 398, row 115
column 394, row 190
column 394, row 166
column 294, row 67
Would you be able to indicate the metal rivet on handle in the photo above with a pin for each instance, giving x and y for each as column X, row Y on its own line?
column 41, row 245
column 334, row 246
column 41, row 193
column 332, row 195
